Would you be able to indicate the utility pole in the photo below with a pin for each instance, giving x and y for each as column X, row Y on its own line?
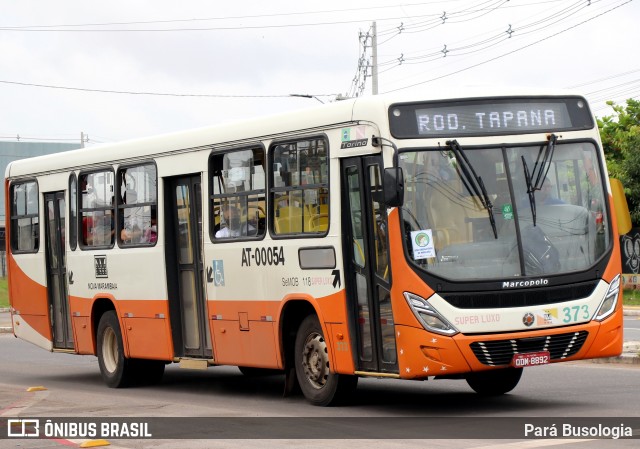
column 81, row 139
column 374, row 60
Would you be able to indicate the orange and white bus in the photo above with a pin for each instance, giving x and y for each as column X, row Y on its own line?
column 459, row 237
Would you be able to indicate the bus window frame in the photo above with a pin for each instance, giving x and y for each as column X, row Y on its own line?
column 273, row 190
column 73, row 215
column 14, row 217
column 211, row 200
column 121, row 205
column 112, row 208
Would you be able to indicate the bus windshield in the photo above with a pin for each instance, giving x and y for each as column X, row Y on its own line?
column 562, row 226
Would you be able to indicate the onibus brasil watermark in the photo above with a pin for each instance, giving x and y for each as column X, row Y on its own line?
column 46, row 428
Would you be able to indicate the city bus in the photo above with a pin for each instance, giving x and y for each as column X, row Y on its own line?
column 462, row 236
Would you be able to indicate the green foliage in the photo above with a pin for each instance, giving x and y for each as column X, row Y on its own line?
column 4, row 295
column 631, row 298
column 620, row 134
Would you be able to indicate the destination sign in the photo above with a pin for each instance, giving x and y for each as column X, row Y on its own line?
column 489, row 117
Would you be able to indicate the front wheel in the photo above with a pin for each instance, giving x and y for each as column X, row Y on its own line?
column 319, row 385
column 494, row 382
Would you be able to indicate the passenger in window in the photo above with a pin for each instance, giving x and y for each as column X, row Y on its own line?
column 151, row 233
column 132, row 233
column 235, row 225
column 87, row 230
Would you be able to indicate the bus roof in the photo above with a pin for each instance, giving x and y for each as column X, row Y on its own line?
column 363, row 109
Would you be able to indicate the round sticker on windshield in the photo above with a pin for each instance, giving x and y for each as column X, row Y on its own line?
column 422, row 239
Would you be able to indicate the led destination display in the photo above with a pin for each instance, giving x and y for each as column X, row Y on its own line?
column 489, row 116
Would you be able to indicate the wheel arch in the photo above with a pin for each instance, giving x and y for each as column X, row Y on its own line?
column 101, row 305
column 293, row 311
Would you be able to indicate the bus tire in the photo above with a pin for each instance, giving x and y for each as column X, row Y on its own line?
column 117, row 371
column 319, row 385
column 494, row 382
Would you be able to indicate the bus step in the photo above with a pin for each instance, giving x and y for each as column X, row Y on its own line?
column 194, row 364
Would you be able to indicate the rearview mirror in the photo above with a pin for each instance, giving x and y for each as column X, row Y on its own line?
column 393, row 187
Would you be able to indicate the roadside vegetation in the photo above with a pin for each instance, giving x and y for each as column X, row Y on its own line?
column 631, row 298
column 4, row 297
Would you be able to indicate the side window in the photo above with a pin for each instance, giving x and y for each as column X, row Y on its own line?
column 73, row 212
column 238, row 194
column 25, row 229
column 97, row 209
column 300, row 188
column 380, row 222
column 137, row 205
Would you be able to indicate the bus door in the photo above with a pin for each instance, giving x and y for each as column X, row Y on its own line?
column 185, row 274
column 59, row 313
column 367, row 272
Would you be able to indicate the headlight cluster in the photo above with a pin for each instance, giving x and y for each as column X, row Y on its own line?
column 429, row 316
column 608, row 304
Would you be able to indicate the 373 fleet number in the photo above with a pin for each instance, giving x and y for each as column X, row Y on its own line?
column 575, row 313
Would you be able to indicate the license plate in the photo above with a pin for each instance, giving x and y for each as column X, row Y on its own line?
column 531, row 359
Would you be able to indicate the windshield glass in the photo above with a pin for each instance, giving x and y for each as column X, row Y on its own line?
column 448, row 231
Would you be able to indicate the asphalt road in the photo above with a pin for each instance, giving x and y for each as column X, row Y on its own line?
column 74, row 389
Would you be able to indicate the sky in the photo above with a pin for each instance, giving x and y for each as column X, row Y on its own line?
column 127, row 69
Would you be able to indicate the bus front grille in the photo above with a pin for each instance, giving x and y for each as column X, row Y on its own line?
column 501, row 352
column 520, row 298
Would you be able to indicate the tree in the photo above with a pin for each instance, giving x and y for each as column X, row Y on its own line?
column 620, row 134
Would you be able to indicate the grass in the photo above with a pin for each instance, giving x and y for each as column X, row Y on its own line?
column 4, row 296
column 631, row 297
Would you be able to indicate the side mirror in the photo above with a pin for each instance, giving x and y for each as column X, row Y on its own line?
column 393, row 187
column 620, row 205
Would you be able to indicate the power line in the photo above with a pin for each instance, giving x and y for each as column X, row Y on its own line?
column 510, row 52
column 164, row 94
column 604, row 79
column 254, row 16
column 495, row 39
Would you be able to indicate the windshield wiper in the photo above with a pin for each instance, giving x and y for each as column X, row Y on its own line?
column 545, row 165
column 472, row 181
column 540, row 171
column 530, row 190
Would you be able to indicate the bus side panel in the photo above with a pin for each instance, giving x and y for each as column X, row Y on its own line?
column 252, row 344
column 334, row 314
column 83, row 335
column 28, row 299
column 244, row 333
column 146, row 328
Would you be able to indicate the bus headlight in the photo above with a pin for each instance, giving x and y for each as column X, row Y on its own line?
column 610, row 300
column 429, row 316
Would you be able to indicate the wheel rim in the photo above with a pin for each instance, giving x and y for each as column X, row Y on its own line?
column 110, row 350
column 315, row 360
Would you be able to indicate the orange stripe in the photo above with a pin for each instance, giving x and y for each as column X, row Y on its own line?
column 28, row 298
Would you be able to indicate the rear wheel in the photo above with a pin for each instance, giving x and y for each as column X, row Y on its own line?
column 117, row 371
column 495, row 382
column 318, row 384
